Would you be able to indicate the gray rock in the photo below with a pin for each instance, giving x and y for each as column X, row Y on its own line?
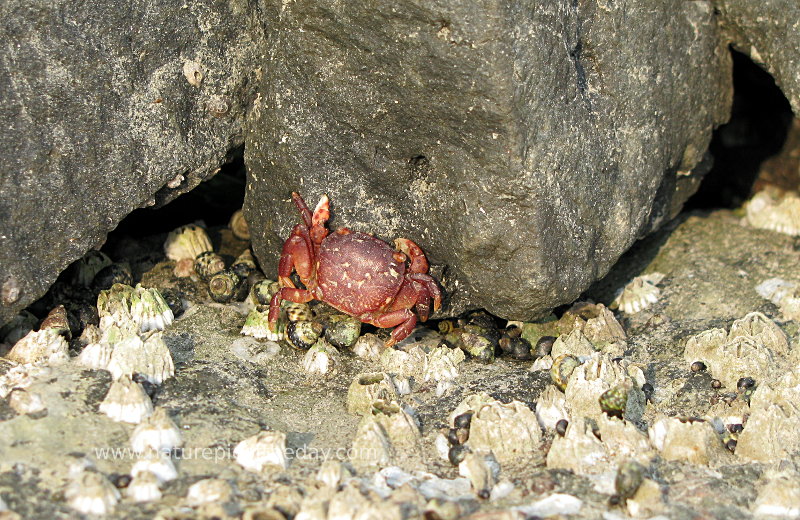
column 99, row 118
column 768, row 32
column 523, row 147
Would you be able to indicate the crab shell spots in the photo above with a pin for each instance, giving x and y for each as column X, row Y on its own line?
column 358, row 273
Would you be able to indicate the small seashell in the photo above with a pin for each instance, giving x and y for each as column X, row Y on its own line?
column 342, row 331
column 207, row 264
column 187, row 242
column 57, row 320
column 638, row 294
column 441, row 364
column 156, row 462
column 614, row 400
column 303, row 334
column 562, row 368
column 226, row 286
column 126, row 401
column 261, row 292
column 110, row 275
column 477, row 344
column 150, row 358
column 238, row 225
column 516, row 347
column 245, row 264
column 193, row 72
column 369, row 346
column 208, row 491
column 45, row 346
column 257, row 326
column 92, row 494
column 95, row 356
column 368, row 388
column 297, row 311
column 775, row 212
column 630, row 475
column 144, row 487
column 157, row 432
column 267, row 448
column 332, row 473
column 24, row 402
column 320, row 359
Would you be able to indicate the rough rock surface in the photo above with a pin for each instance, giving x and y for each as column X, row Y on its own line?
column 768, row 32
column 99, row 118
column 524, row 147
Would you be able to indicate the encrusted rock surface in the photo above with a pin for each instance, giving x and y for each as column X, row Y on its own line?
column 524, row 147
column 106, row 110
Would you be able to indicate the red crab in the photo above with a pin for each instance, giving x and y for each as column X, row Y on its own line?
column 355, row 273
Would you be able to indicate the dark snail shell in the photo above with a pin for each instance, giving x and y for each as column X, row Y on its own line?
column 110, row 275
column 226, row 286
column 342, row 331
column 244, row 264
column 238, row 226
column 303, row 334
column 264, row 290
column 207, row 264
column 629, row 477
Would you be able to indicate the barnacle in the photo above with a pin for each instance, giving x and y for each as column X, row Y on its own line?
column 638, row 294
column 257, row 325
column 187, row 242
column 481, row 470
column 95, row 355
column 144, row 487
column 368, row 388
column 145, row 307
column 769, row 210
column 92, row 494
column 209, row 490
column 126, row 401
column 157, row 432
column 267, row 448
column 46, row 346
column 332, row 473
column 782, row 293
column 600, row 373
column 369, row 346
column 238, row 225
column 320, row 358
column 688, row 440
column 149, row 358
column 156, row 462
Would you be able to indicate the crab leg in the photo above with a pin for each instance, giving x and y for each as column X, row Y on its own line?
column 419, row 264
column 430, row 284
column 403, row 318
column 287, row 293
column 301, row 206
column 296, row 255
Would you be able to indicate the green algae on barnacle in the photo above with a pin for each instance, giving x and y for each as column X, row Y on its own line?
column 144, row 307
column 257, row 325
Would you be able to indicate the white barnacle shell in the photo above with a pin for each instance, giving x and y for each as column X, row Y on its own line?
column 638, row 294
column 21, row 376
column 126, row 401
column 209, row 490
column 44, row 346
column 24, row 402
column 410, row 363
column 388, row 434
column 157, row 432
column 123, row 304
column 551, row 407
column 156, row 462
column 575, row 343
column 603, row 328
column 371, row 445
column 144, row 487
column 367, row 388
column 441, row 364
column 597, row 375
column 320, row 359
column 510, row 431
column 186, row 242
column 332, row 473
column 369, row 346
column 578, row 450
column 150, row 358
column 767, row 210
column 774, row 416
column 257, row 325
column 150, row 310
column 265, row 449
column 92, row 494
column 481, row 470
column 95, row 355
column 688, row 440
column 749, row 349
column 782, row 293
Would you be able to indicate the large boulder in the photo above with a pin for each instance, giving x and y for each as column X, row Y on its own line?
column 108, row 108
column 524, row 146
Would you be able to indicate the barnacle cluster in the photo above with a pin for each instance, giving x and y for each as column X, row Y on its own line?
column 774, row 211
